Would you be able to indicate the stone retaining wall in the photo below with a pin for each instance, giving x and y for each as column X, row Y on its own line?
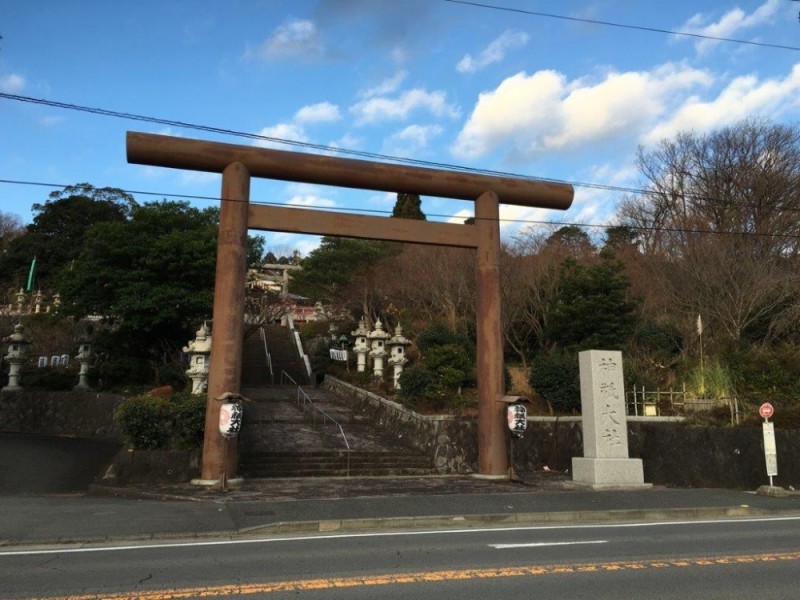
column 674, row 453
column 71, row 414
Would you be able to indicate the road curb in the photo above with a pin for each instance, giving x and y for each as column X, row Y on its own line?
column 371, row 525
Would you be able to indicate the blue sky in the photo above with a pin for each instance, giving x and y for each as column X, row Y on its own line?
column 427, row 79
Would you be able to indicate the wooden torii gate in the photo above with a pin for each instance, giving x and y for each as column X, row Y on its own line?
column 239, row 163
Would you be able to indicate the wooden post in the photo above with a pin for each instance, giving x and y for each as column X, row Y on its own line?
column 492, row 447
column 226, row 337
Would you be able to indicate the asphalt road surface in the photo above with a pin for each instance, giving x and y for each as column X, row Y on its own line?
column 730, row 559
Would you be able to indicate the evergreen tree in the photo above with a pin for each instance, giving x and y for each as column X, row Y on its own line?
column 408, row 206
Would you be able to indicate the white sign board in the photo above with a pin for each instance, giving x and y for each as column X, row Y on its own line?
column 770, row 450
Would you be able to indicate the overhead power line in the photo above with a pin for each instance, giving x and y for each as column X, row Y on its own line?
column 334, row 149
column 622, row 25
column 441, row 216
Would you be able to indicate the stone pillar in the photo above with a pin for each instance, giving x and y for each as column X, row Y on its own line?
column 605, row 462
column 360, row 345
column 17, row 351
column 199, row 351
column 226, row 347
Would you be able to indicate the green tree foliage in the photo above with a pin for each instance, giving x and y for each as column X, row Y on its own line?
column 153, row 276
column 145, row 422
column 337, row 264
column 408, row 206
column 555, row 378
column 151, row 423
column 55, row 237
column 591, row 308
column 150, row 277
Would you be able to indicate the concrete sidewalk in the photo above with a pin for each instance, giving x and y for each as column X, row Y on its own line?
column 286, row 506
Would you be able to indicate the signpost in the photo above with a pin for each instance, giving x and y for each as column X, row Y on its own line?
column 766, row 410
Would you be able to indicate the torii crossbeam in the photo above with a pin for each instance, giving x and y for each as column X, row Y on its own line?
column 238, row 164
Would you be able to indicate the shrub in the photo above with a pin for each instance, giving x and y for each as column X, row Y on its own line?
column 556, row 379
column 415, row 382
column 189, row 411
column 146, row 422
column 49, row 379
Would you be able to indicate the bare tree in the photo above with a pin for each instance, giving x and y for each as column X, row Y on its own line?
column 11, row 227
column 437, row 281
column 719, row 224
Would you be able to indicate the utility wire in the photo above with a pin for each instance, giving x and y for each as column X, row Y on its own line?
column 337, row 150
column 622, row 25
column 443, row 216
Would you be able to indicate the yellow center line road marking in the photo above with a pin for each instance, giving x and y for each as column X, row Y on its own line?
column 303, row 585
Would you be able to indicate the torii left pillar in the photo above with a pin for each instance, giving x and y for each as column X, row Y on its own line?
column 226, row 341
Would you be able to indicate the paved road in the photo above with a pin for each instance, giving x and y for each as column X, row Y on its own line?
column 753, row 558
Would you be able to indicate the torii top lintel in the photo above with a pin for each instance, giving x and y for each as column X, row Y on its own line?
column 214, row 157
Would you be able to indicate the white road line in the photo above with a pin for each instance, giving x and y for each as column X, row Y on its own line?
column 338, row 536
column 544, row 544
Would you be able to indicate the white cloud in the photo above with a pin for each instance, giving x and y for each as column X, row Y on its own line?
column 414, row 137
column 384, row 109
column 494, row 52
column 194, row 178
column 387, row 86
column 295, row 38
column 743, row 97
column 310, row 200
column 284, row 131
column 12, row 84
column 50, row 121
column 731, row 23
column 544, row 112
column 323, row 112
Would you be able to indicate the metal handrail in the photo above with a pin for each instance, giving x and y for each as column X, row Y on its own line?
column 267, row 354
column 306, row 400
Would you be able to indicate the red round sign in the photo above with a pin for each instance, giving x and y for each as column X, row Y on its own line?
column 766, row 410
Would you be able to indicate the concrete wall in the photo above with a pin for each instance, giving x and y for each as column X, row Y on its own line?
column 673, row 452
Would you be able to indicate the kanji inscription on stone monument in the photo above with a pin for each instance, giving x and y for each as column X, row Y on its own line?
column 605, row 462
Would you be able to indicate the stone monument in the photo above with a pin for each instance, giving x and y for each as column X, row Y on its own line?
column 605, row 462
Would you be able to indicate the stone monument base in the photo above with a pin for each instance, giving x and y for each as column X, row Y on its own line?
column 609, row 473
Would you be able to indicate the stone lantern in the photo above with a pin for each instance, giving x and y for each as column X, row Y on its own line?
column 85, row 357
column 56, row 302
column 397, row 354
column 20, row 300
column 360, row 345
column 17, row 350
column 199, row 351
column 377, row 339
column 38, row 300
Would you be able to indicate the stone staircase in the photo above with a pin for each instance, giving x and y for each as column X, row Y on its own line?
column 283, row 353
column 283, row 438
